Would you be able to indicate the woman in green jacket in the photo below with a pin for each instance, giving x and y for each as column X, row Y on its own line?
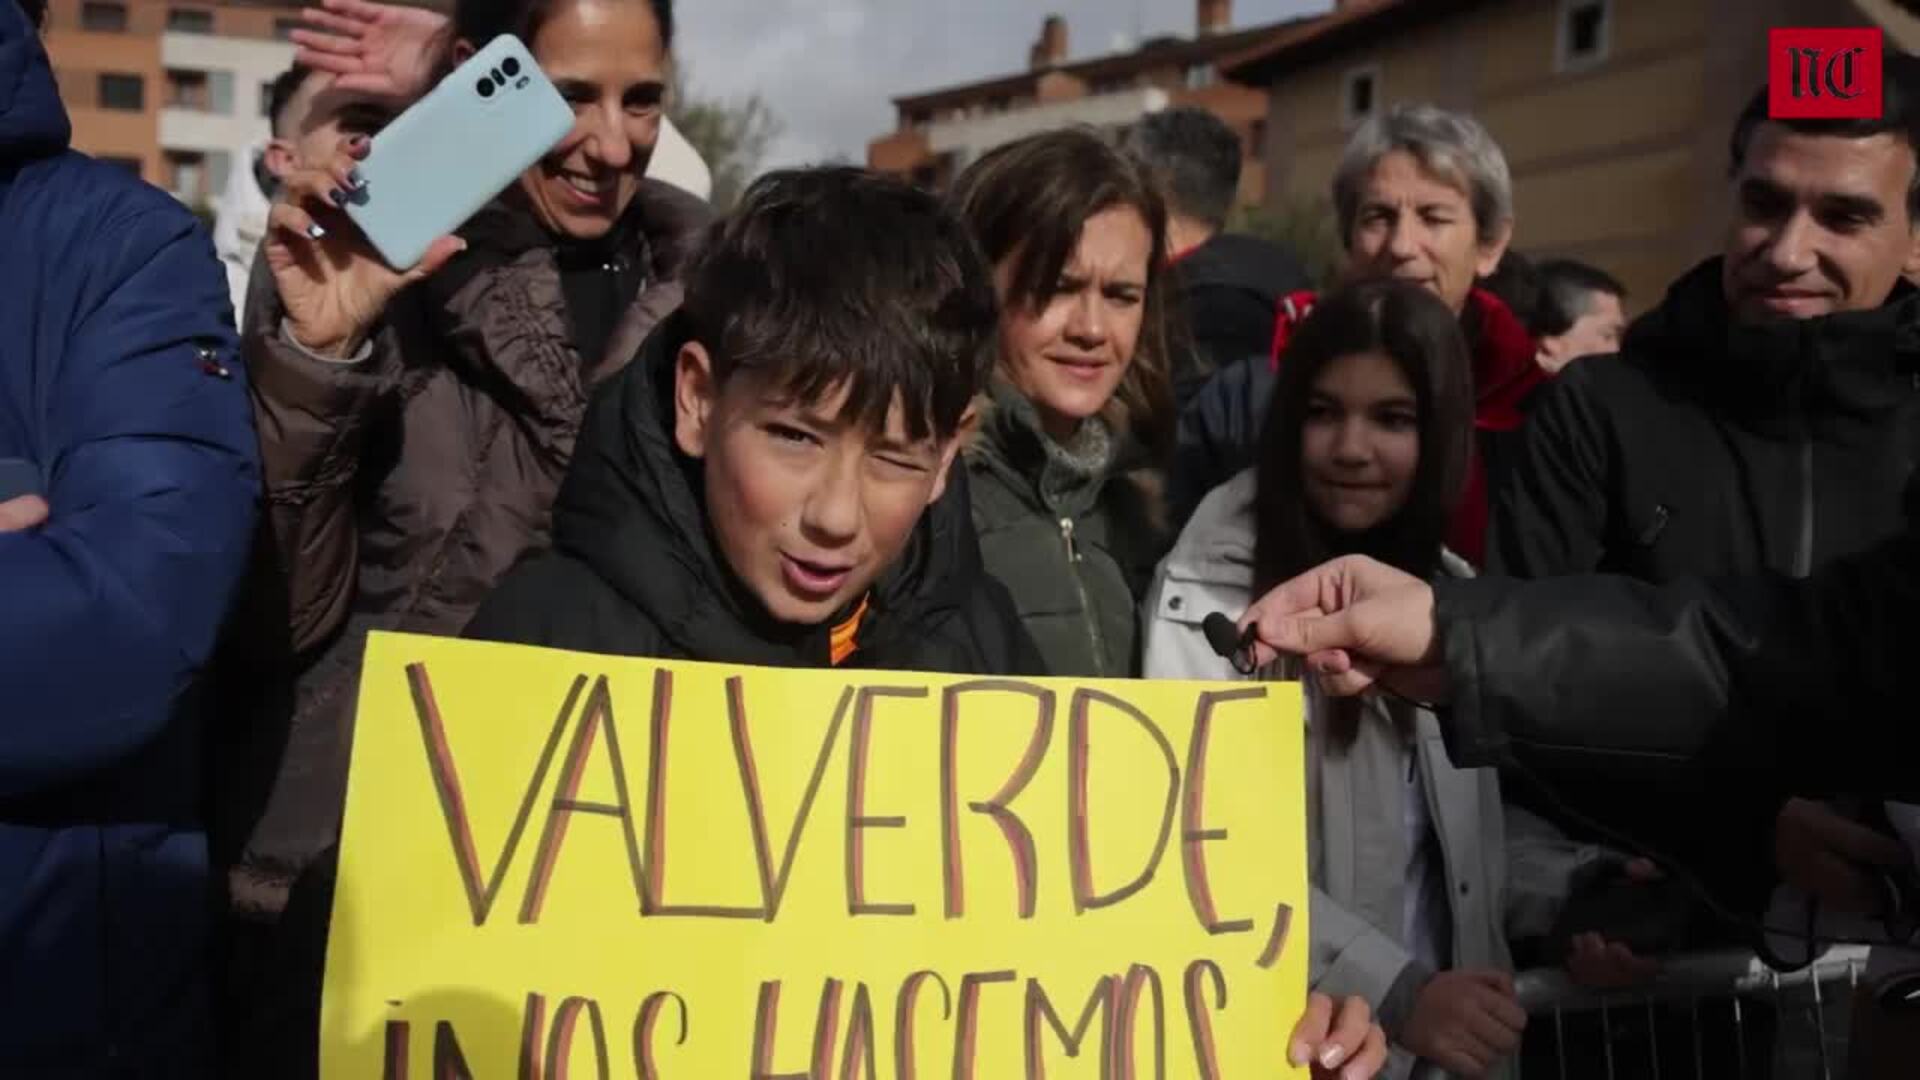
column 1063, row 469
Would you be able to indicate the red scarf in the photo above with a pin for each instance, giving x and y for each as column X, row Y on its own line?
column 1504, row 373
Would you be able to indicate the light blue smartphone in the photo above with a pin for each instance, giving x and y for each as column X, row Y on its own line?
column 440, row 161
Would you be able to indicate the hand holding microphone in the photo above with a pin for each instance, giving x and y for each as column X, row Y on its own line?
column 1357, row 622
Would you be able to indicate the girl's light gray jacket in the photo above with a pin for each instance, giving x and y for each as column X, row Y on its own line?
column 1507, row 872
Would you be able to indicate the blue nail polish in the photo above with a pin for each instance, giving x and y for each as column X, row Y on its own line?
column 338, row 196
column 315, row 231
column 355, row 179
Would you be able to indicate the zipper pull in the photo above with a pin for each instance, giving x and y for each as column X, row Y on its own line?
column 1066, row 533
column 1657, row 526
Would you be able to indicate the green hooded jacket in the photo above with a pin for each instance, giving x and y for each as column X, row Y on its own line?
column 1072, row 532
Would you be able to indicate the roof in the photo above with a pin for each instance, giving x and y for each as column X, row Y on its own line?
column 1153, row 53
column 1309, row 41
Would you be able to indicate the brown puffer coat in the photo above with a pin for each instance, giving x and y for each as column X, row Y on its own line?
column 401, row 487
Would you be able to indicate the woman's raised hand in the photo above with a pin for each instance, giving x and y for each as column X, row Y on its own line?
column 369, row 48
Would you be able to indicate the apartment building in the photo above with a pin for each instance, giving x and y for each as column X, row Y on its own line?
column 176, row 90
column 1614, row 114
column 940, row 131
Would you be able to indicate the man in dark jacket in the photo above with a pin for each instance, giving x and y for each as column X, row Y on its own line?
column 1800, row 683
column 1765, row 417
column 1712, row 686
column 130, row 475
column 1228, row 284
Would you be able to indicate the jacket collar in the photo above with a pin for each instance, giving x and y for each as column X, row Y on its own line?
column 1852, row 365
column 501, row 310
column 1063, row 480
column 1505, row 364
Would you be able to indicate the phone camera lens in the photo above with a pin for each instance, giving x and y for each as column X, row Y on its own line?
column 510, row 66
column 486, row 87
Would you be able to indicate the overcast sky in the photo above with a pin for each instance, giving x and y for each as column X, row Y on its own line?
column 829, row 67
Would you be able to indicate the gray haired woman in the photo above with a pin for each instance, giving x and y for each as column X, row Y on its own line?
column 1422, row 194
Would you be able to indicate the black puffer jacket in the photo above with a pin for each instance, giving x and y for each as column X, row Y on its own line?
column 1708, row 447
column 1712, row 448
column 1720, row 684
column 633, row 570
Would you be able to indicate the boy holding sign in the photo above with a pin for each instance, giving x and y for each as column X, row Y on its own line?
column 771, row 482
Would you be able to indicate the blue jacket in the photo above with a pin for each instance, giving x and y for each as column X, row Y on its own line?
column 121, row 391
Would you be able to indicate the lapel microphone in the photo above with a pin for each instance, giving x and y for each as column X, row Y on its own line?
column 1229, row 643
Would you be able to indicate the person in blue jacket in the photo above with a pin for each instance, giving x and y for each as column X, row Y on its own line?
column 128, row 480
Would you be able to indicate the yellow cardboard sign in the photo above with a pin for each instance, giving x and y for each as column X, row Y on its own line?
column 561, row 865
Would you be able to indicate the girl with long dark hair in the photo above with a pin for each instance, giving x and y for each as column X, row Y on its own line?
column 1416, row 880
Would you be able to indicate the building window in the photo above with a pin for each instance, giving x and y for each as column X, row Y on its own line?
column 1200, row 76
column 127, row 93
column 104, row 16
column 187, row 90
column 190, row 20
column 187, row 175
column 1585, row 29
column 1359, row 95
column 284, row 28
column 201, row 91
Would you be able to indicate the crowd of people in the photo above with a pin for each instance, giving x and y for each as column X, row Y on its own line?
column 1047, row 422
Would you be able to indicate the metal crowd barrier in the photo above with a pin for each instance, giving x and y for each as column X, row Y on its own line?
column 1810, row 1017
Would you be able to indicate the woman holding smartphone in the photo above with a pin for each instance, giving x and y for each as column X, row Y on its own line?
column 414, row 438
column 415, row 423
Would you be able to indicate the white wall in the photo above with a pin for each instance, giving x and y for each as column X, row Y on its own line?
column 972, row 136
column 251, row 64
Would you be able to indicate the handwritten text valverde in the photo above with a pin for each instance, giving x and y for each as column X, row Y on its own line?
column 557, row 865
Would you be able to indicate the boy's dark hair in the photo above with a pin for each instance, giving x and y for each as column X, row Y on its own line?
column 1413, row 328
column 1196, row 158
column 1567, row 288
column 835, row 276
column 280, row 95
column 1029, row 200
column 36, row 12
column 1899, row 115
